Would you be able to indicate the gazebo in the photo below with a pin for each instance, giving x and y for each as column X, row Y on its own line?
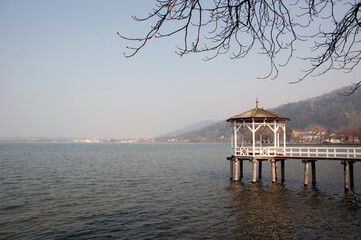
column 260, row 135
column 256, row 121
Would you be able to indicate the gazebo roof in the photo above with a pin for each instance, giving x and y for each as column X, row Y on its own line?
column 258, row 114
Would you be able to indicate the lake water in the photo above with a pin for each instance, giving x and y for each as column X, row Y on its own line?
column 165, row 191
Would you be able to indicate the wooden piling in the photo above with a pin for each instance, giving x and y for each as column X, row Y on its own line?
column 350, row 168
column 259, row 169
column 236, row 168
column 254, row 171
column 346, row 176
column 305, row 181
column 231, row 169
column 313, row 167
column 282, row 171
column 241, row 169
column 273, row 162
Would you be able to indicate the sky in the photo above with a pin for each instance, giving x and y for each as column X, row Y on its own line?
column 63, row 74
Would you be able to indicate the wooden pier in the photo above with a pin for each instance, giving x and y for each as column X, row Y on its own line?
column 255, row 122
column 308, row 155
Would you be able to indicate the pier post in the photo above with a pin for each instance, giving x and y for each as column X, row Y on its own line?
column 254, row 170
column 282, row 171
column 346, row 176
column 236, row 168
column 231, row 169
column 313, row 166
column 241, row 169
column 305, row 181
column 351, row 174
column 259, row 169
column 273, row 163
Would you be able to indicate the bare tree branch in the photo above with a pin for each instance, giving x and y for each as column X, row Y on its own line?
column 273, row 26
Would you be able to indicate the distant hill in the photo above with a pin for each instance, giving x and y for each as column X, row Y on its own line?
column 217, row 132
column 195, row 126
column 331, row 110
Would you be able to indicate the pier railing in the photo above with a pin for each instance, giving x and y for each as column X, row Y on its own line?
column 321, row 152
column 259, row 151
column 326, row 152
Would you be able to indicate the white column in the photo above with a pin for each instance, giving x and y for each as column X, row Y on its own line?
column 284, row 138
column 242, row 137
column 253, row 137
column 235, row 137
column 275, row 133
column 232, row 135
column 260, row 139
column 244, row 128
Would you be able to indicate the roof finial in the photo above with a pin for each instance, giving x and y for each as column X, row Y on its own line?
column 256, row 102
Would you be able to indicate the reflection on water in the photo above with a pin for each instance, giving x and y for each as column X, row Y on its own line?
column 266, row 211
column 260, row 210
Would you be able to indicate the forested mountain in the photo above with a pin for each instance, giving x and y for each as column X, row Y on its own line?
column 332, row 111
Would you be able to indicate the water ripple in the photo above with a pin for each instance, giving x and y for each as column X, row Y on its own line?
column 163, row 191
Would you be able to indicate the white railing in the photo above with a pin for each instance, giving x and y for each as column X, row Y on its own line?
column 327, row 152
column 322, row 152
column 259, row 151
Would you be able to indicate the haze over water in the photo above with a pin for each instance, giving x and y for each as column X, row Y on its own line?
column 165, row 191
column 67, row 76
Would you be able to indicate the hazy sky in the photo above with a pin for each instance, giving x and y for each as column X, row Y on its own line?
column 63, row 74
